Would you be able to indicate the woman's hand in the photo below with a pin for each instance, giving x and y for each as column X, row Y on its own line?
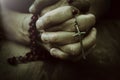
column 58, row 30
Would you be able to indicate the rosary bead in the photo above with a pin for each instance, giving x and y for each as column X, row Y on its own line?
column 24, row 59
column 33, row 43
column 32, row 24
column 12, row 61
column 28, row 54
column 20, row 58
column 32, row 37
column 35, row 58
column 33, row 52
column 33, row 34
column 33, row 31
column 34, row 17
column 33, row 47
column 32, row 28
column 30, row 58
column 74, row 12
column 69, row 1
column 9, row 60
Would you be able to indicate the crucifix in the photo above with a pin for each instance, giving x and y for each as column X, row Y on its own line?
column 79, row 35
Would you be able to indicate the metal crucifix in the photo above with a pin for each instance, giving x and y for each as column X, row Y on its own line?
column 79, row 35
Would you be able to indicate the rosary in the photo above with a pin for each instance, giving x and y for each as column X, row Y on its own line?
column 37, row 53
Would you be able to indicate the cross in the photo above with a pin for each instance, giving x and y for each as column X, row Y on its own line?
column 79, row 34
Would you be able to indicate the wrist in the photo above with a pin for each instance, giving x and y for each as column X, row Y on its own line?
column 25, row 20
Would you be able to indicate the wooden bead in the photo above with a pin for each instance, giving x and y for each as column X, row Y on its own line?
column 32, row 24
column 69, row 1
column 32, row 37
column 74, row 12
column 34, row 17
column 12, row 61
column 20, row 58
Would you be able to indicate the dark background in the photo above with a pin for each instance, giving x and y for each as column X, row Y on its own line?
column 114, row 11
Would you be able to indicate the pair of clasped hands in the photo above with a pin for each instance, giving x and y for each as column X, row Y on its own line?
column 56, row 22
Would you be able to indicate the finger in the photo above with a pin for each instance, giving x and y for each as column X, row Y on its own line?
column 63, row 55
column 58, row 53
column 59, row 37
column 55, row 17
column 82, row 5
column 74, row 49
column 39, row 5
column 85, row 21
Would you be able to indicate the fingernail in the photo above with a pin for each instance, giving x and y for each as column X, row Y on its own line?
column 32, row 9
column 53, row 51
column 39, row 24
column 45, row 38
column 93, row 29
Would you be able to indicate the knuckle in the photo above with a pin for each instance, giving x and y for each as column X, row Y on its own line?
column 92, row 18
column 92, row 15
column 69, row 9
column 47, row 19
column 53, row 38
